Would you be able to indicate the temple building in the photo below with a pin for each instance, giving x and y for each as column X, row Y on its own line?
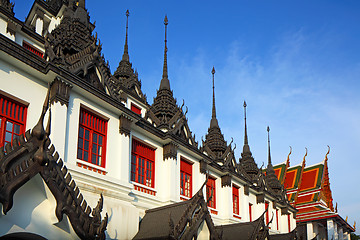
column 308, row 190
column 84, row 155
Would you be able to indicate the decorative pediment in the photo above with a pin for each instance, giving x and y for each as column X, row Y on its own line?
column 31, row 155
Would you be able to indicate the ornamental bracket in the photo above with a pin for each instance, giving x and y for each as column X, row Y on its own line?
column 125, row 125
column 170, row 151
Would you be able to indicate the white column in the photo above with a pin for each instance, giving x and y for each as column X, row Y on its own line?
column 341, row 234
column 336, row 233
column 224, row 203
column 59, row 98
column 330, row 229
column 309, row 230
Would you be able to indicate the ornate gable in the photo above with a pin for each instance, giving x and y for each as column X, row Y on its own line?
column 72, row 46
column 31, row 155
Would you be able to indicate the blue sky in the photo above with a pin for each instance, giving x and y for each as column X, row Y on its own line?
column 296, row 63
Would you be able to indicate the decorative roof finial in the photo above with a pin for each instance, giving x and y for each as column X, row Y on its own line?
column 165, row 84
column 126, row 48
column 213, row 80
column 326, row 158
column 269, row 157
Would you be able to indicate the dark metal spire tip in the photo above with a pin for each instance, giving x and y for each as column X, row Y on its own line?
column 166, row 21
column 127, row 13
column 213, row 70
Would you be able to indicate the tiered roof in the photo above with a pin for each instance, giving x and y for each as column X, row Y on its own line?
column 72, row 45
column 308, row 189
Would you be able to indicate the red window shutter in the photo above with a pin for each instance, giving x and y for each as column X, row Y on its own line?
column 235, row 191
column 12, row 119
column 211, row 188
column 267, row 213
column 142, row 164
column 277, row 219
column 185, row 178
column 135, row 109
column 92, row 138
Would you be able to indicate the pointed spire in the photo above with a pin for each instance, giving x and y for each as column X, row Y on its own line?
column 213, row 122
column 246, row 147
column 269, row 155
column 213, row 81
column 245, row 136
column 126, row 53
column 165, row 84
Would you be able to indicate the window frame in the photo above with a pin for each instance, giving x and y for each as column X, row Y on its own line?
column 185, row 170
column 94, row 123
column 149, row 158
column 12, row 112
column 235, row 196
column 211, row 184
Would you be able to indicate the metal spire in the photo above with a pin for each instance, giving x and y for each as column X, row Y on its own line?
column 165, row 84
column 126, row 53
column 269, row 157
column 245, row 136
column 213, row 81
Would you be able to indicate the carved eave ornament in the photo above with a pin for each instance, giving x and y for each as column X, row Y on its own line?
column 125, row 125
column 32, row 154
column 60, row 91
column 72, row 46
